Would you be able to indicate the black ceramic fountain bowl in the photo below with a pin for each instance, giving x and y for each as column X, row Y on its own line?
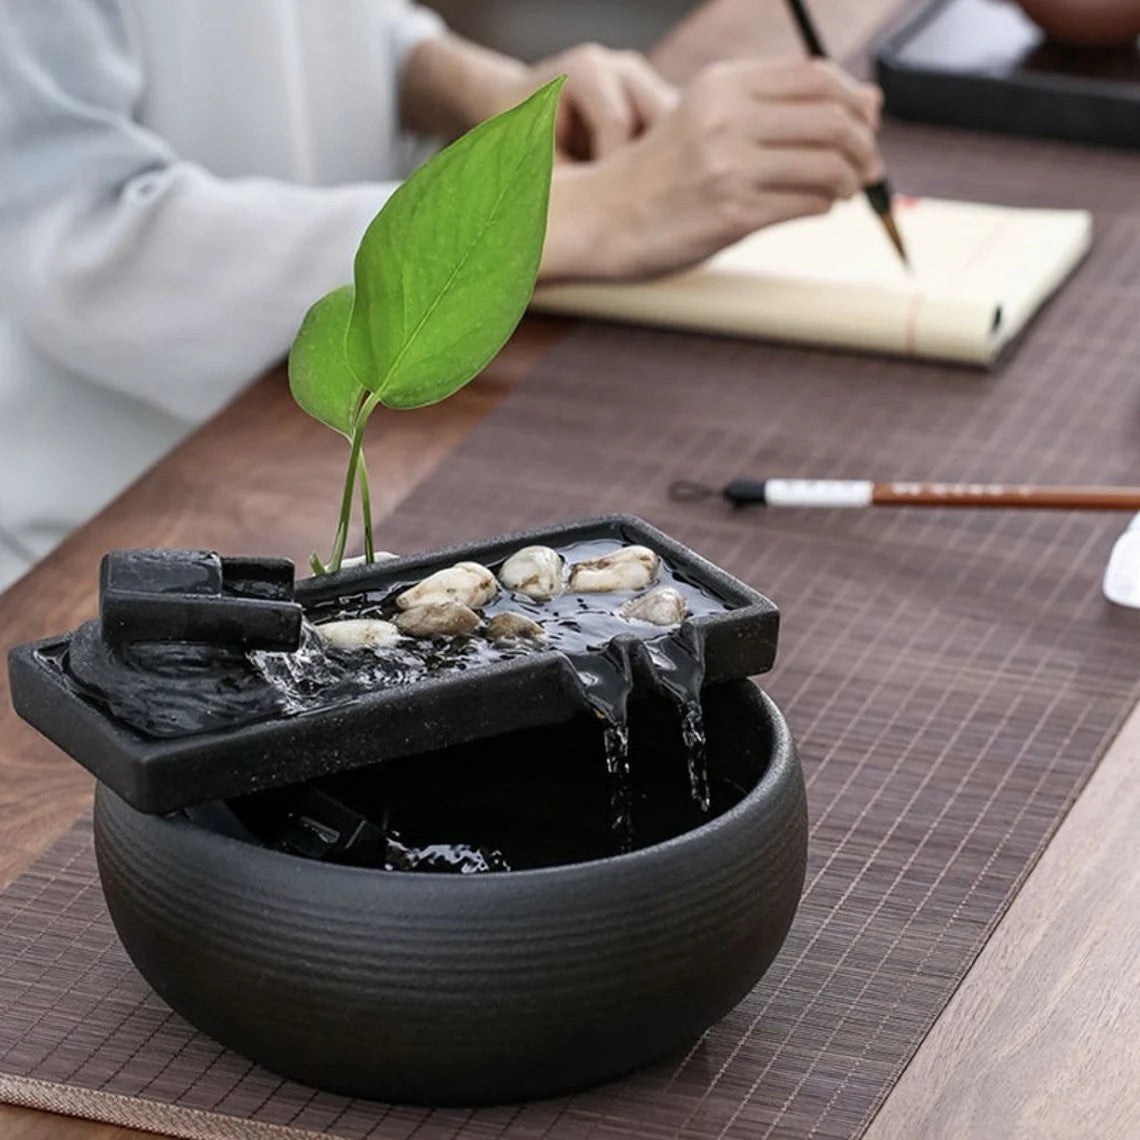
column 489, row 988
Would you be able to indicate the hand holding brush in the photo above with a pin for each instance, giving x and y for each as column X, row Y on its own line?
column 878, row 193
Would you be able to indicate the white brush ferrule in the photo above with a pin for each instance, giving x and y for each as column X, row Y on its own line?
column 818, row 492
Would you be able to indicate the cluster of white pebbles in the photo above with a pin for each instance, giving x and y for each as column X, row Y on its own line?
column 447, row 603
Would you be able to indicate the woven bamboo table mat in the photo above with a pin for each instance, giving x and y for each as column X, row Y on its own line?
column 952, row 677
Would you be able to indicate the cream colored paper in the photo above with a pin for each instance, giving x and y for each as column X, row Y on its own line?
column 980, row 273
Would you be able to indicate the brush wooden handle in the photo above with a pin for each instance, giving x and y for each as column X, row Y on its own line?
column 1006, row 495
column 864, row 493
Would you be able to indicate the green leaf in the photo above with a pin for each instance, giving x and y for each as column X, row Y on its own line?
column 446, row 269
column 319, row 376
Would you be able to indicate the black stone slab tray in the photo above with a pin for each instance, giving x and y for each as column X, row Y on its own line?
column 973, row 63
column 160, row 776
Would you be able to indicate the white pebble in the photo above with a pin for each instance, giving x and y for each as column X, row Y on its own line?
column 535, row 571
column 467, row 583
column 509, row 626
column 663, row 606
column 630, row 568
column 359, row 633
column 438, row 619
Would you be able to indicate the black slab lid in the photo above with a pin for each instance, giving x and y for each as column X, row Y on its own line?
column 201, row 597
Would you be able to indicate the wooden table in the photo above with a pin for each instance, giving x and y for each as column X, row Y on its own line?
column 1043, row 1037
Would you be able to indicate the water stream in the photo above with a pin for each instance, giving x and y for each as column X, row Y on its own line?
column 607, row 681
column 680, row 670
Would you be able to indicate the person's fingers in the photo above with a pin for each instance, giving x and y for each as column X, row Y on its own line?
column 824, row 124
column 609, row 98
column 815, row 170
column 815, row 80
column 595, row 100
column 651, row 96
column 599, row 99
column 756, row 206
column 876, row 108
column 783, row 206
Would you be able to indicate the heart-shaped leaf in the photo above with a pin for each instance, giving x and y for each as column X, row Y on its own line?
column 319, row 376
column 446, row 269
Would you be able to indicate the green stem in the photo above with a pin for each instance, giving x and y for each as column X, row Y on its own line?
column 365, row 509
column 341, row 537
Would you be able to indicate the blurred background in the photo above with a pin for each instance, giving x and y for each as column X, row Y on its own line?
column 539, row 28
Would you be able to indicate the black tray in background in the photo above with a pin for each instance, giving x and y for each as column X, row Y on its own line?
column 164, row 775
column 984, row 64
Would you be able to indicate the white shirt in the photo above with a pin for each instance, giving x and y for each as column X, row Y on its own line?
column 179, row 181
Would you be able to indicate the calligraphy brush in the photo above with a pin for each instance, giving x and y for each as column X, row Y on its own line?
column 865, row 493
column 878, row 194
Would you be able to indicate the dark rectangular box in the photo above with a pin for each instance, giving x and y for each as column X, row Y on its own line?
column 984, row 64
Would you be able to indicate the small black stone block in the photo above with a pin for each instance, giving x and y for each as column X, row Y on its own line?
column 198, row 596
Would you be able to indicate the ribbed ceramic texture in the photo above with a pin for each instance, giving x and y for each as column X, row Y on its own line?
column 439, row 989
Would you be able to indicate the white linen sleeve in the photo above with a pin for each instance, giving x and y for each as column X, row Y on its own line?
column 140, row 271
column 409, row 27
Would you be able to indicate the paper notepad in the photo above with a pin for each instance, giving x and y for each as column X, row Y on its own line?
column 980, row 273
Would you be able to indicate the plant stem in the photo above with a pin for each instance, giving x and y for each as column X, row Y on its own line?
column 366, row 509
column 341, row 537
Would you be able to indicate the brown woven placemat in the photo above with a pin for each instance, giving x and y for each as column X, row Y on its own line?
column 952, row 678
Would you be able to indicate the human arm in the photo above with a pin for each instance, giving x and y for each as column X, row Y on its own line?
column 610, row 97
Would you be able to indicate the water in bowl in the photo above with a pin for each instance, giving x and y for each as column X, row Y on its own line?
column 532, row 798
